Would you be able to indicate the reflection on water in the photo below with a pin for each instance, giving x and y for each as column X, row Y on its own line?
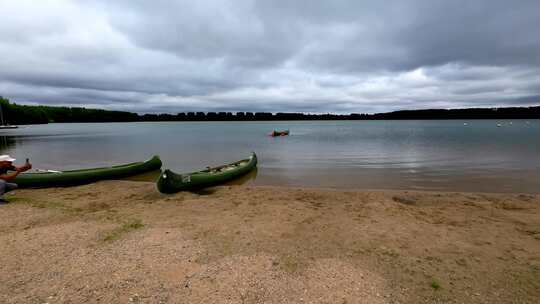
column 6, row 143
column 245, row 179
column 431, row 155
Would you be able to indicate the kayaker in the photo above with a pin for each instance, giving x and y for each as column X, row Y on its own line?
column 7, row 173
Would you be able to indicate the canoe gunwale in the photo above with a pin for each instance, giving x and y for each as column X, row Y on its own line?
column 89, row 169
column 85, row 176
column 171, row 182
column 210, row 169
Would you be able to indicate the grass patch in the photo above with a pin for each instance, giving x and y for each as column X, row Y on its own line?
column 47, row 205
column 435, row 285
column 389, row 252
column 404, row 200
column 289, row 264
column 123, row 229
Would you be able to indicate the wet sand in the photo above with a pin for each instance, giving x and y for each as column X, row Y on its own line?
column 123, row 242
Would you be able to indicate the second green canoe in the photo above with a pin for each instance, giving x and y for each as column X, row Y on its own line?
column 85, row 176
column 170, row 182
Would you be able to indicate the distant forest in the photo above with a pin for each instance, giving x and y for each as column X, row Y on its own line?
column 15, row 114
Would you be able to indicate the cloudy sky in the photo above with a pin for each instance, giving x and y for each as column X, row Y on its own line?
column 247, row 55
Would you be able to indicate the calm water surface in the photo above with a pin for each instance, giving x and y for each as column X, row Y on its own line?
column 429, row 155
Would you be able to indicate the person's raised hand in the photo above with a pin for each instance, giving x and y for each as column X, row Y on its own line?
column 26, row 167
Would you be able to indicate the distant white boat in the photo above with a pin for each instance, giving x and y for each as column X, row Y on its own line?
column 465, row 124
column 499, row 125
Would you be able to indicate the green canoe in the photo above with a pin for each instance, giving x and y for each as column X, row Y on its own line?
column 170, row 182
column 84, row 176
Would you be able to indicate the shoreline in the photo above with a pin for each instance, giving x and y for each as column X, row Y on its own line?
column 397, row 190
column 122, row 241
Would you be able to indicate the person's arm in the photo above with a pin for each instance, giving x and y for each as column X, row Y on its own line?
column 9, row 176
column 12, row 175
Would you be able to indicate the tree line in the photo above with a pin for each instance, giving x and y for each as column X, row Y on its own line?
column 16, row 114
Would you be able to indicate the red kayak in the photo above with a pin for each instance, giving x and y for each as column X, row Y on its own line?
column 279, row 133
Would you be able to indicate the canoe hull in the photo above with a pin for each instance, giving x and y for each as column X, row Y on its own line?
column 170, row 182
column 85, row 176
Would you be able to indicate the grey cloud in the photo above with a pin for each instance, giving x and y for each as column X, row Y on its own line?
column 312, row 56
column 205, row 29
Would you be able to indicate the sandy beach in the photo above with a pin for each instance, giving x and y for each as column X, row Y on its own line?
column 123, row 242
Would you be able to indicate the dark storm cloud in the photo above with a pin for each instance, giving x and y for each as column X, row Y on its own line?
column 525, row 101
column 309, row 56
column 404, row 35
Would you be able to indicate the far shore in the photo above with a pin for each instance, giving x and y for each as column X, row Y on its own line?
column 124, row 242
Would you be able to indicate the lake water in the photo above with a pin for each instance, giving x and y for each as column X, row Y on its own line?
column 427, row 155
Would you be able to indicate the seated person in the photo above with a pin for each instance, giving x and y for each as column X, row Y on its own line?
column 7, row 173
